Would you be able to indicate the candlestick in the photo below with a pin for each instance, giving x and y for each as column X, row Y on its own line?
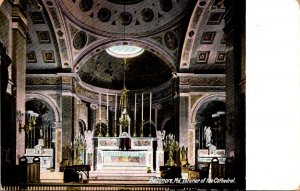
column 115, row 125
column 100, row 114
column 142, row 115
column 116, row 107
column 107, row 107
column 150, row 117
column 107, row 129
column 134, row 127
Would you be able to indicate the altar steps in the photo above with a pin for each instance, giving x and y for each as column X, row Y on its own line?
column 122, row 170
column 136, row 174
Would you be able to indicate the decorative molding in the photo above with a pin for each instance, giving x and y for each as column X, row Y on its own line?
column 43, row 81
column 202, row 81
column 193, row 99
column 86, row 93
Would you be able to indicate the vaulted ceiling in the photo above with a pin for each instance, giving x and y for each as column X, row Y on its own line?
column 177, row 35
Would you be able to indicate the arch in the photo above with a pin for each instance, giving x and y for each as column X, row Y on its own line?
column 150, row 46
column 97, row 129
column 203, row 101
column 82, row 126
column 49, row 100
column 146, row 129
column 168, row 118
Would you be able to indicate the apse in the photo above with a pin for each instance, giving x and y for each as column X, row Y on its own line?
column 144, row 71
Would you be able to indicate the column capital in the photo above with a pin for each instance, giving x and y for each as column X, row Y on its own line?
column 94, row 106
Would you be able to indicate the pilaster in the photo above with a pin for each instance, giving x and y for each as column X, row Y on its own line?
column 19, row 71
column 191, row 144
column 183, row 119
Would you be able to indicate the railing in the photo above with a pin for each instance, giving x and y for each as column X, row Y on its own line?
column 124, row 187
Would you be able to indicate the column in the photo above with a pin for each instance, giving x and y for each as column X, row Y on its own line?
column 18, row 69
column 77, row 102
column 92, row 116
column 58, row 145
column 157, row 107
column 191, row 144
column 67, row 134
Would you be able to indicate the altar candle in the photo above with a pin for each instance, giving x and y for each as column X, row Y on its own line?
column 100, row 114
column 107, row 107
column 135, row 107
column 116, row 107
column 142, row 106
column 150, row 106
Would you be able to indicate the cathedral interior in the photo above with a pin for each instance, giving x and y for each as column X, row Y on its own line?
column 122, row 86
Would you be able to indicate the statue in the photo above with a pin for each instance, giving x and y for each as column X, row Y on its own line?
column 41, row 132
column 88, row 135
column 211, row 148
column 208, row 134
column 160, row 137
column 183, row 154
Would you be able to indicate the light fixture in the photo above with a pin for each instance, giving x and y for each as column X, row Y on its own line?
column 124, row 51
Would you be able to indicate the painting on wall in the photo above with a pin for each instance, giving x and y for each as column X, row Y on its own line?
column 31, row 57
column 48, row 56
column 221, row 57
column 208, row 37
column 43, row 37
column 202, row 56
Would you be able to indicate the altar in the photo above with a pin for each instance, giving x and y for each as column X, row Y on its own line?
column 110, row 154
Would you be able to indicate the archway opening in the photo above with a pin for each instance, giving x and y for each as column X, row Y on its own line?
column 211, row 114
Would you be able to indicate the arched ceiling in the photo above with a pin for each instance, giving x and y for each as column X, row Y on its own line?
column 134, row 17
column 180, row 36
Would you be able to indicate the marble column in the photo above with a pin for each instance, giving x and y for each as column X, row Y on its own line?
column 58, row 145
column 192, row 144
column 19, row 71
column 77, row 102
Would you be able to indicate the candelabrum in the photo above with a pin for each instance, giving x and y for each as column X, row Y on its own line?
column 79, row 146
column 30, row 120
column 170, row 145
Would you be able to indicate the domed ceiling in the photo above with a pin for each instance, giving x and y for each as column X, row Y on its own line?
column 145, row 71
column 141, row 17
column 184, row 36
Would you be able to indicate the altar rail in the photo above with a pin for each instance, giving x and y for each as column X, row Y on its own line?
column 125, row 187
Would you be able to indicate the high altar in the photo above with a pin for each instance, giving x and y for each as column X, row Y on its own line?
column 110, row 154
column 124, row 151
